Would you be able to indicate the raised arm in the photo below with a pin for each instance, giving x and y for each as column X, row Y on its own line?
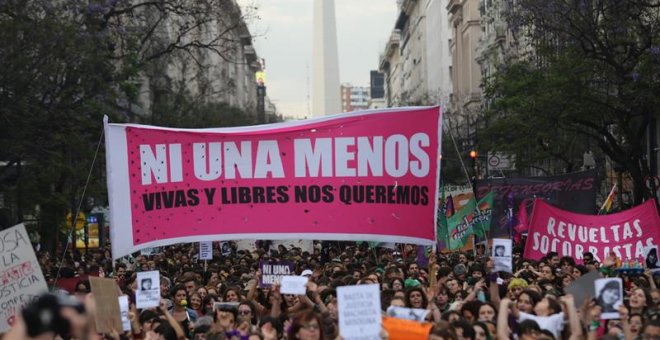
column 503, row 319
column 568, row 303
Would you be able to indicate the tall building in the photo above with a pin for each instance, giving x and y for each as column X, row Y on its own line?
column 465, row 102
column 390, row 65
column 354, row 98
column 438, row 53
column 228, row 79
column 325, row 75
column 466, row 74
column 377, row 91
column 416, row 62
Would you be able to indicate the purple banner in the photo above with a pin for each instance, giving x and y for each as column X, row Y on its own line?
column 272, row 272
column 574, row 192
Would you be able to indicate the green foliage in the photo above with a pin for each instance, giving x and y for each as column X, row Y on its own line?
column 66, row 64
column 593, row 77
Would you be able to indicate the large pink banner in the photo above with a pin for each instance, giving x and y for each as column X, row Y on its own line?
column 360, row 176
column 570, row 234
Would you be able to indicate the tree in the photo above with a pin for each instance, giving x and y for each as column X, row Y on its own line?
column 590, row 73
column 67, row 63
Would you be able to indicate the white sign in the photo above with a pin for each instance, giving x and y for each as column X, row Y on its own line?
column 502, row 259
column 304, row 245
column 359, row 312
column 147, row 294
column 206, row 250
column 123, row 309
column 21, row 280
column 499, row 161
column 296, row 285
column 414, row 314
column 609, row 296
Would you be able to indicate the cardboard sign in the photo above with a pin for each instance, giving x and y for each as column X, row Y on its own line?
column 106, row 297
column 148, row 293
column 123, row 309
column 400, row 329
column 277, row 181
column 583, row 288
column 272, row 272
column 502, row 255
column 21, row 280
column 359, row 311
column 296, row 285
column 206, row 250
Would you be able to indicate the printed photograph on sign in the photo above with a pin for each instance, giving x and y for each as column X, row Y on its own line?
column 415, row 314
column 651, row 258
column 609, row 296
column 148, row 293
column 502, row 259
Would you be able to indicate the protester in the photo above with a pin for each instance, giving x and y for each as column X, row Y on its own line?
column 223, row 299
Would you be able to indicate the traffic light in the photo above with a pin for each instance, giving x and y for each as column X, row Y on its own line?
column 474, row 154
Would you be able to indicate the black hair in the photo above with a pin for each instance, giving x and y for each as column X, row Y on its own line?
column 468, row 331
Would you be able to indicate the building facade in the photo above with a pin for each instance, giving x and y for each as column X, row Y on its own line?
column 202, row 75
column 354, row 98
column 417, row 61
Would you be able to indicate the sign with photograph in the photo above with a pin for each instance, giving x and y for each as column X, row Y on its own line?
column 148, row 293
column 502, row 255
column 609, row 296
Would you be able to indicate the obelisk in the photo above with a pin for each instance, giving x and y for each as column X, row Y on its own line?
column 325, row 75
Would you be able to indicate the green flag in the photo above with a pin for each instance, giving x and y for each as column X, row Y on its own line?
column 460, row 225
column 483, row 215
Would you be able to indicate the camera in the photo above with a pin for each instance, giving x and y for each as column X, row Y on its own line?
column 43, row 314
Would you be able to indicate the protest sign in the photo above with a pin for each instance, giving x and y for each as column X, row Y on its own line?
column 21, row 280
column 609, row 296
column 359, row 311
column 570, row 234
column 415, row 314
column 651, row 260
column 225, row 248
column 401, row 329
column 575, row 192
column 206, row 250
column 502, row 255
column 148, row 293
column 123, row 310
column 279, row 181
column 304, row 245
column 272, row 272
column 106, row 298
column 583, row 288
column 296, row 285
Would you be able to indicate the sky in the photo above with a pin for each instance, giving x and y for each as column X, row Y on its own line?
column 283, row 37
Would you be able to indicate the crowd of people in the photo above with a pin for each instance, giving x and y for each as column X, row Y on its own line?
column 464, row 297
